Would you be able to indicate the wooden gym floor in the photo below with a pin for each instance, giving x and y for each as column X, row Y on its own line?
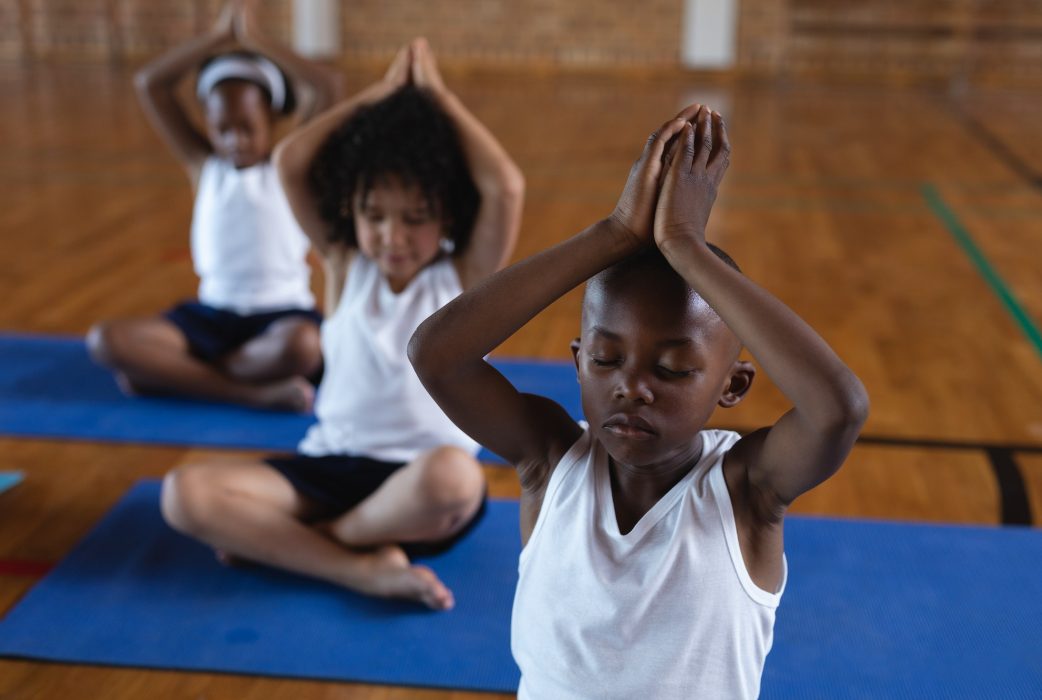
column 903, row 224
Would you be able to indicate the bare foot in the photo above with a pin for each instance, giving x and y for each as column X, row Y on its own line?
column 293, row 394
column 393, row 576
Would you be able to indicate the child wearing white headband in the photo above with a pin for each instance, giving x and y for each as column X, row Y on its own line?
column 251, row 337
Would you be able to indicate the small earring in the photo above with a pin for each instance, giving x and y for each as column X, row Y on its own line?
column 447, row 245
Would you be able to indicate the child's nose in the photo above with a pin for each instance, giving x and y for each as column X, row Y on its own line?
column 634, row 387
column 393, row 233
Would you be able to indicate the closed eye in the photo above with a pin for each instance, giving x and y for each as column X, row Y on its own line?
column 675, row 373
column 604, row 361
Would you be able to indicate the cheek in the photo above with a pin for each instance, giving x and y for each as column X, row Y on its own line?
column 692, row 406
column 426, row 240
column 262, row 136
column 595, row 394
column 366, row 236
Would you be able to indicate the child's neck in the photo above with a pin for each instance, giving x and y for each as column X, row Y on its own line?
column 636, row 490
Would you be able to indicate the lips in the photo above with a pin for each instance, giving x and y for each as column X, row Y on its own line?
column 629, row 426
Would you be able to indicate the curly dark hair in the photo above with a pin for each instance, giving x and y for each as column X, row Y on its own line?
column 406, row 136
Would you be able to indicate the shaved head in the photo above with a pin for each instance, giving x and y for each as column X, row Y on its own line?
column 648, row 278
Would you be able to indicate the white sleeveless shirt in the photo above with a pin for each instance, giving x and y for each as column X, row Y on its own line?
column 248, row 250
column 371, row 403
column 667, row 610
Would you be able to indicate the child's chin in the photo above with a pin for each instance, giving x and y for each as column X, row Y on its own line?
column 630, row 452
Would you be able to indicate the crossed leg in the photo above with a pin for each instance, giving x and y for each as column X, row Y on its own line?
column 151, row 356
column 250, row 511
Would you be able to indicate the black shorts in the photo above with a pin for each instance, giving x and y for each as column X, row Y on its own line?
column 212, row 333
column 340, row 482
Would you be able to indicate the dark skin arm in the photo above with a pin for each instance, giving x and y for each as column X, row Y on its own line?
column 773, row 466
column 315, row 87
column 157, row 81
column 448, row 349
column 156, row 84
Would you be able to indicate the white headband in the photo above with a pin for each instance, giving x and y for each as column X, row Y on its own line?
column 255, row 69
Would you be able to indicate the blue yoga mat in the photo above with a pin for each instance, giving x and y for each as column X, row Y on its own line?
column 50, row 388
column 9, row 480
column 135, row 593
column 872, row 610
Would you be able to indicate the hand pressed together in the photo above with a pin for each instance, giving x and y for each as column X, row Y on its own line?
column 699, row 161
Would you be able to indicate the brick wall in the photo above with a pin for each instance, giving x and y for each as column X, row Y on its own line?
column 547, row 32
column 977, row 41
column 973, row 41
column 558, row 32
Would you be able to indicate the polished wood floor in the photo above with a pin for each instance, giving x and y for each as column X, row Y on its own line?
column 871, row 211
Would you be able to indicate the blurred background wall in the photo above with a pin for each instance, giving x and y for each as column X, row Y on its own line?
column 942, row 41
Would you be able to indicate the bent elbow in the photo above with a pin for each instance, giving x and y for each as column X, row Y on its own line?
column 286, row 163
column 507, row 185
column 421, row 354
column 144, row 83
column 852, row 406
column 512, row 185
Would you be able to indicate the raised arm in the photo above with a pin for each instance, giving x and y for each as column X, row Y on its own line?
column 448, row 348
column 315, row 87
column 830, row 405
column 499, row 181
column 156, row 84
column 295, row 153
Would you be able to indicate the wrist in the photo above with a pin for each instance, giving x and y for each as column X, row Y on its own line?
column 620, row 236
column 683, row 246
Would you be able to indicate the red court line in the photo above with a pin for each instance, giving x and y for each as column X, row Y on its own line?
column 25, row 567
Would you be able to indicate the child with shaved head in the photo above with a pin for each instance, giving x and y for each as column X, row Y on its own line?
column 653, row 559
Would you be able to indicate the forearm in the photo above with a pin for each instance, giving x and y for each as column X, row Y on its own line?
column 494, row 172
column 167, row 70
column 296, row 152
column 482, row 318
column 820, row 386
column 316, row 87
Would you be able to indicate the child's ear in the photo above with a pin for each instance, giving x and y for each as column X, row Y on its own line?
column 574, row 345
column 742, row 374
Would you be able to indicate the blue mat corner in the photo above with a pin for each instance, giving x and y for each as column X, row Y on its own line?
column 135, row 593
column 9, row 480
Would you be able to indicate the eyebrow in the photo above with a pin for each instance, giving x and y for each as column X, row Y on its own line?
column 669, row 342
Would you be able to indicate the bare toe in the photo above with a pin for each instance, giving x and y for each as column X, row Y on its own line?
column 394, row 577
column 433, row 593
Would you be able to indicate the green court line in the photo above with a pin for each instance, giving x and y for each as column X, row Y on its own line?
column 991, row 276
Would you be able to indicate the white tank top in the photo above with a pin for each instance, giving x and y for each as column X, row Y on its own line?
column 371, row 402
column 248, row 250
column 665, row 611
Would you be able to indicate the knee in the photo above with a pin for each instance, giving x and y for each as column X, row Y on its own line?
column 452, row 480
column 302, row 353
column 105, row 343
column 188, row 500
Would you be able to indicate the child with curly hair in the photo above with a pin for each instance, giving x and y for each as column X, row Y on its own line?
column 410, row 200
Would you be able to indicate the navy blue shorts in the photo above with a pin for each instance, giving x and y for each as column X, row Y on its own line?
column 340, row 482
column 212, row 333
